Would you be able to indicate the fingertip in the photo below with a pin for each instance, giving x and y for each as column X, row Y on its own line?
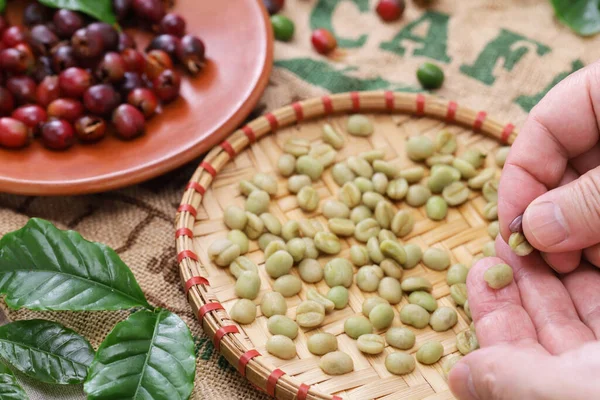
column 563, row 263
column 460, row 381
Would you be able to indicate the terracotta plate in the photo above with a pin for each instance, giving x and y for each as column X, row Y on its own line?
column 240, row 47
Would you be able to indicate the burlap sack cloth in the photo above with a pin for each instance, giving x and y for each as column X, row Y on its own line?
column 498, row 55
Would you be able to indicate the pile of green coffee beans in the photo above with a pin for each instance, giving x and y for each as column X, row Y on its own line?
column 367, row 209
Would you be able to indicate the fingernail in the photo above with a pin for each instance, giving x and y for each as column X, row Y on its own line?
column 546, row 223
column 461, row 382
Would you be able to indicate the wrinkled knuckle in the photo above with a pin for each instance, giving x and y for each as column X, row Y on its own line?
column 589, row 200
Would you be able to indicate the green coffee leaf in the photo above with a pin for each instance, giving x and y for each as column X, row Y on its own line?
column 582, row 16
column 46, row 351
column 99, row 9
column 2, row 7
column 9, row 387
column 44, row 268
column 149, row 356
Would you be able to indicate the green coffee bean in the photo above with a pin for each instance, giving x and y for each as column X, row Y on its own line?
column 267, row 238
column 235, row 218
column 498, row 276
column 247, row 285
column 287, row 285
column 339, row 272
column 384, row 213
column 372, row 155
column 336, row 363
column 309, row 166
column 282, row 325
column 443, row 319
column 468, row 312
column 308, row 198
column 402, row 223
column 324, row 154
column 359, row 125
column 309, row 228
column 297, row 182
column 445, row 142
column 374, row 251
column 490, row 211
column 466, row 342
column 390, row 290
column 322, row 343
column 417, row 195
column 400, row 363
column 315, row 296
column 436, row 259
column 333, row 137
column 366, row 229
column 413, row 174
column 474, row 157
column 449, row 363
column 239, row 238
column 281, row 347
column 367, row 278
column 519, row 244
column 394, row 250
column 310, row 314
column 258, row 202
column 342, row 174
column 327, row 243
column 440, row 159
column 357, row 326
column 339, row 296
column 273, row 303
column 223, row 251
column 501, row 155
column 490, row 190
column 360, row 213
column 335, row 209
column 311, row 250
column 279, row 264
column 364, row 184
column 430, row 352
column 458, row 291
column 386, row 168
column 381, row 316
column 397, row 189
column 359, row 255
column 416, row 283
column 466, row 169
column 457, row 273
column 247, row 187
column 436, row 208
column 441, row 177
column 413, row 255
column 296, row 247
column 242, row 264
column 400, row 338
column 360, row 166
column 493, row 229
column 273, row 247
column 418, row 148
column 472, row 326
column 310, row 271
column 380, row 182
column 296, row 146
column 265, row 182
column 423, row 299
column 243, row 311
column 370, row 343
column 341, row 226
column 286, row 165
column 480, row 179
column 371, row 199
column 290, row 230
column 391, row 268
column 414, row 315
column 489, row 249
column 271, row 223
column 386, row 234
column 456, row 193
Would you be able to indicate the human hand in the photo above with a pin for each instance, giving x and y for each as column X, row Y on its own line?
column 538, row 335
column 552, row 174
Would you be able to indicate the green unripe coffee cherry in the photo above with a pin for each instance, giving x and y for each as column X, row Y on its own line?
column 430, row 76
column 283, row 27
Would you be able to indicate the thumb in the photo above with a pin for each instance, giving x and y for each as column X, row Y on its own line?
column 566, row 218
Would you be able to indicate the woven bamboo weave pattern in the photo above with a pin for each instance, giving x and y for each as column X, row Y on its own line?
column 256, row 148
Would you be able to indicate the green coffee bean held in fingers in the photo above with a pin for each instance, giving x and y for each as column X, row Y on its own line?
column 265, row 182
column 400, row 363
column 341, row 174
column 498, row 276
column 417, row 195
column 418, row 148
column 308, row 198
column 296, row 146
column 333, row 137
column 359, row 125
column 309, row 166
column 400, row 338
column 414, row 315
column 288, row 285
column 402, row 223
column 456, row 193
column 322, row 343
column 519, row 244
column 436, row 259
column 258, row 202
column 243, row 311
column 436, row 208
column 445, row 142
column 370, row 343
column 282, row 325
column 430, row 352
column 281, row 346
column 273, row 303
column 247, row 285
column 238, row 237
column 366, row 229
column 443, row 319
column 413, row 255
column 357, row 326
column 336, row 363
column 339, row 272
column 235, row 218
column 310, row 271
column 223, row 251
column 310, row 314
column 286, row 165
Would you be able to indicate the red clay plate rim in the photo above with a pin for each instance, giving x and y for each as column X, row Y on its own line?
column 155, row 167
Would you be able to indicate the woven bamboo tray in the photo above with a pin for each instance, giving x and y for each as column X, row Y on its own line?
column 256, row 147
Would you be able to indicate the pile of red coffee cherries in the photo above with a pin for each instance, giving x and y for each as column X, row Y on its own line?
column 64, row 77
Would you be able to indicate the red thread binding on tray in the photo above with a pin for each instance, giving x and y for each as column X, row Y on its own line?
column 389, row 100
column 209, row 307
column 298, row 110
column 355, row 101
column 189, row 208
column 196, row 186
column 479, row 120
column 302, row 392
column 336, row 398
column 272, row 381
column 222, row 331
column 193, row 281
column 208, row 168
column 327, row 104
column 184, row 232
column 249, row 133
column 227, row 147
column 451, row 113
column 186, row 254
column 420, row 104
column 508, row 129
column 272, row 121
column 245, row 358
